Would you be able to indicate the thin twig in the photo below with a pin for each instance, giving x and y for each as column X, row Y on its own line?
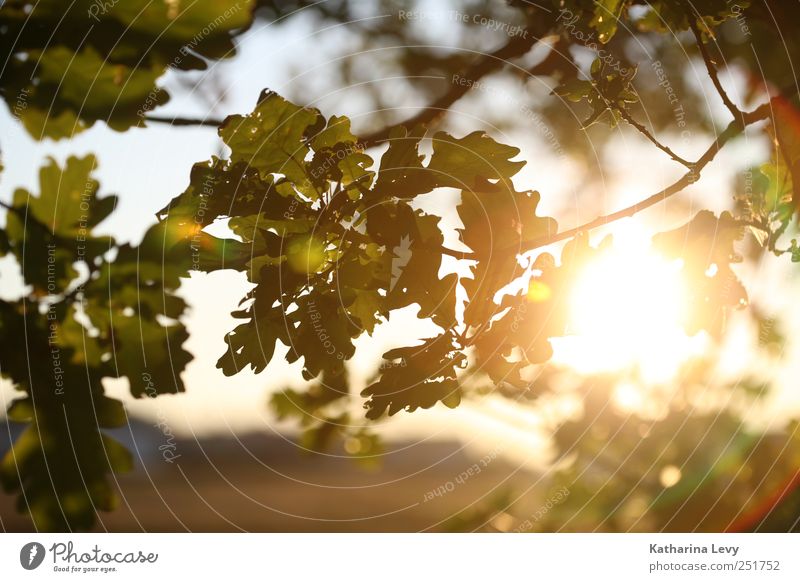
column 712, row 70
column 458, row 254
column 516, row 47
column 613, row 106
column 756, row 224
column 185, row 121
column 645, row 132
column 592, row 118
column 10, row 208
column 734, row 128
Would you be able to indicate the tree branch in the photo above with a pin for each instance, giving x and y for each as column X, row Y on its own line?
column 613, row 106
column 710, row 67
column 736, row 127
column 645, row 132
column 458, row 254
column 516, row 47
column 22, row 215
column 185, row 121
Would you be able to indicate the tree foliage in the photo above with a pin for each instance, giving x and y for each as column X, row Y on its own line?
column 99, row 61
column 318, row 218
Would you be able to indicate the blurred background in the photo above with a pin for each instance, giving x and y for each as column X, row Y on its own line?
column 633, row 426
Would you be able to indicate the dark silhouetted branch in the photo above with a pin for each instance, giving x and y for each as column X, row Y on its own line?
column 710, row 66
column 458, row 254
column 489, row 63
column 645, row 132
column 734, row 128
column 185, row 121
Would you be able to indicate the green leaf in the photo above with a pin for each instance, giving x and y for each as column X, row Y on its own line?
column 366, row 307
column 337, row 131
column 402, row 174
column 51, row 231
column 87, row 83
column 787, row 133
column 668, row 16
column 575, row 90
column 499, row 223
column 416, row 377
column 272, row 139
column 61, row 462
column 606, row 15
column 68, row 203
column 68, row 67
column 201, row 27
column 251, row 344
column 321, row 334
column 471, row 160
column 399, row 225
column 794, row 250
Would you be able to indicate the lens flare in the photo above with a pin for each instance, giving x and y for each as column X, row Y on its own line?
column 626, row 311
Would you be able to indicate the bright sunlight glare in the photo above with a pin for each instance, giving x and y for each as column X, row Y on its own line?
column 626, row 311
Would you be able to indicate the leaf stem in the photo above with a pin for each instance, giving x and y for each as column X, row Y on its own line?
column 185, row 121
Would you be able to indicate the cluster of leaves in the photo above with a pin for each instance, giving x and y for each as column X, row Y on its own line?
column 686, row 466
column 319, row 227
column 88, row 309
column 608, row 92
column 317, row 231
column 678, row 459
column 705, row 247
column 606, row 17
column 65, row 69
column 770, row 196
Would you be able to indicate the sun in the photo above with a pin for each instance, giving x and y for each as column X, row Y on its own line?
column 626, row 310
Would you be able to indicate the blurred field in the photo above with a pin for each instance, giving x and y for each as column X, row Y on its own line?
column 265, row 483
